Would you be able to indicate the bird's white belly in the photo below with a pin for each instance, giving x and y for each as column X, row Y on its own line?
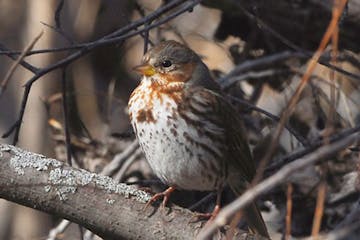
column 173, row 158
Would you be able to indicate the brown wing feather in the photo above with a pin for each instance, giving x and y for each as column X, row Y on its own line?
column 239, row 159
column 238, row 149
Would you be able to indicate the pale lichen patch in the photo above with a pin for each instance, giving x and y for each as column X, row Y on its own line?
column 110, row 186
column 4, row 148
column 22, row 159
column 65, row 180
column 110, row 201
column 47, row 188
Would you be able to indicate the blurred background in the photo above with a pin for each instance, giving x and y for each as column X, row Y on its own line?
column 226, row 34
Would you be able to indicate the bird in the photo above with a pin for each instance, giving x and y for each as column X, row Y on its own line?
column 190, row 134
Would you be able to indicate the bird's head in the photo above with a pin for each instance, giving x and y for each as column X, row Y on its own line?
column 170, row 62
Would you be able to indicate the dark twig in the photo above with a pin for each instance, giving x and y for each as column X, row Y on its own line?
column 269, row 29
column 312, row 147
column 349, row 231
column 114, row 37
column 250, row 106
column 58, row 14
column 66, row 116
column 60, row 31
column 271, row 60
column 145, row 35
column 120, row 32
column 5, row 51
column 16, row 126
column 12, row 69
column 340, row 70
column 306, row 54
column 119, row 159
column 13, row 56
column 146, row 40
column 274, row 180
column 207, row 198
column 262, row 62
column 295, row 97
column 64, row 89
column 290, row 44
column 58, row 28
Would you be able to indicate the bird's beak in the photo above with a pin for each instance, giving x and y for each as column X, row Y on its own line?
column 145, row 69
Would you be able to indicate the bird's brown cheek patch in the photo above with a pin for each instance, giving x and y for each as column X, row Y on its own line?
column 182, row 75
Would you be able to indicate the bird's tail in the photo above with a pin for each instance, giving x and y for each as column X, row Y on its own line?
column 254, row 219
column 252, row 215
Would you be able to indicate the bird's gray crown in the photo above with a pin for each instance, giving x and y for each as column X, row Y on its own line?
column 170, row 50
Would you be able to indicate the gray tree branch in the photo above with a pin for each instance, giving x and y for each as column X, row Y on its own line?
column 111, row 210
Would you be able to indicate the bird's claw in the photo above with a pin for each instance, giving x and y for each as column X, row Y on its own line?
column 210, row 216
column 165, row 195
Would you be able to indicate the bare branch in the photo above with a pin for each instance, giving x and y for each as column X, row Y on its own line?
column 111, row 210
column 119, row 159
column 17, row 62
column 108, row 170
column 273, row 117
column 118, row 36
column 58, row 229
column 289, row 109
column 273, row 181
column 313, row 145
column 13, row 56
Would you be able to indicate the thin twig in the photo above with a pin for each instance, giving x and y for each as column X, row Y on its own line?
column 290, row 44
column 60, row 228
column 262, row 62
column 66, row 117
column 233, row 224
column 118, row 33
column 13, row 67
column 61, row 32
column 269, row 29
column 289, row 204
column 207, row 198
column 345, row 232
column 319, row 210
column 146, row 39
column 13, row 56
column 314, row 145
column 119, row 159
column 115, row 37
column 255, row 75
column 129, row 161
column 57, row 18
column 294, row 99
column 276, row 179
column 334, row 53
column 273, row 117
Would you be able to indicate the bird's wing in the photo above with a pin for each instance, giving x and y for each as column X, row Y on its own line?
column 220, row 112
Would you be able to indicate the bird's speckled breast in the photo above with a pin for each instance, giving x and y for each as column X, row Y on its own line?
column 179, row 154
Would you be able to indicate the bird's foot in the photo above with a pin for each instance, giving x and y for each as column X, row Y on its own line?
column 210, row 216
column 165, row 195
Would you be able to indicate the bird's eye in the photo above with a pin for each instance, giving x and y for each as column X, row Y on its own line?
column 166, row 63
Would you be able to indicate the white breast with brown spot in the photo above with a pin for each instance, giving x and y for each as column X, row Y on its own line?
column 175, row 145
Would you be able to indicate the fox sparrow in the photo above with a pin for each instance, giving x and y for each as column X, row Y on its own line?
column 191, row 136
